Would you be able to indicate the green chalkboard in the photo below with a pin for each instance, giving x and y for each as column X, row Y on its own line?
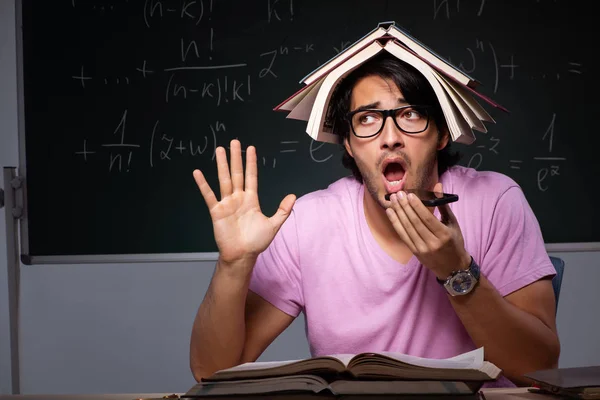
column 124, row 98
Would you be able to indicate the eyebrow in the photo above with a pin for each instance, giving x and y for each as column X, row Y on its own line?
column 371, row 106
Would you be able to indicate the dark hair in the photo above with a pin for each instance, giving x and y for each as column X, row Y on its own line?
column 415, row 89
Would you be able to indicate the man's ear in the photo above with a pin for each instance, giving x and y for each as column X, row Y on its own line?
column 348, row 148
column 443, row 139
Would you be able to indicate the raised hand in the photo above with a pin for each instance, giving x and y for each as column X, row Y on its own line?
column 437, row 244
column 241, row 230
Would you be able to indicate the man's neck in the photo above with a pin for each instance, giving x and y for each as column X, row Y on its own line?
column 377, row 218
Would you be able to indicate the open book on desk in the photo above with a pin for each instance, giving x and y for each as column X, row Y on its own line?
column 381, row 373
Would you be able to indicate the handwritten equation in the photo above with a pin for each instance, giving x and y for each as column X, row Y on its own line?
column 121, row 155
column 451, row 8
column 194, row 75
column 483, row 53
column 547, row 165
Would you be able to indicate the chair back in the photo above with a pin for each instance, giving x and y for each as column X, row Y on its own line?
column 559, row 266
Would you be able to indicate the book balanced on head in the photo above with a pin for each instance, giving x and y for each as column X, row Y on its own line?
column 454, row 89
column 382, row 373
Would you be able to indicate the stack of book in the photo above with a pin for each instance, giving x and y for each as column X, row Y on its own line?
column 455, row 90
column 365, row 375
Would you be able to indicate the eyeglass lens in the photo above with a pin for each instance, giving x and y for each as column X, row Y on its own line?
column 408, row 119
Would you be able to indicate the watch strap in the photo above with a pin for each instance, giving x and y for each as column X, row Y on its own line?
column 473, row 268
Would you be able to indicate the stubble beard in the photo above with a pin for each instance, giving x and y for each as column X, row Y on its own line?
column 422, row 178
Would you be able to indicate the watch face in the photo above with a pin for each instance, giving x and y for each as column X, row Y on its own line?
column 462, row 282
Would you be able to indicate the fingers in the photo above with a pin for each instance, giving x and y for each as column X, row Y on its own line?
column 399, row 228
column 283, row 212
column 234, row 181
column 251, row 170
column 447, row 217
column 416, row 225
column 237, row 171
column 223, row 172
column 411, row 222
column 207, row 193
column 425, row 222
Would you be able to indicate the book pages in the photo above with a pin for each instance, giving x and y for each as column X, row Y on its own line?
column 464, row 108
column 460, row 130
column 481, row 113
column 321, row 105
column 302, row 110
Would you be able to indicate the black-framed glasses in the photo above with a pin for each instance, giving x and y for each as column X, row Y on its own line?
column 409, row 119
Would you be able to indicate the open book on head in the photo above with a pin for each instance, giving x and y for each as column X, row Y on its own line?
column 453, row 88
column 389, row 28
column 375, row 373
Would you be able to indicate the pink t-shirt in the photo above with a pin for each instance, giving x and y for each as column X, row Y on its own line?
column 325, row 263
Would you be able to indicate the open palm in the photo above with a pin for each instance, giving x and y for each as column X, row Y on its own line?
column 241, row 229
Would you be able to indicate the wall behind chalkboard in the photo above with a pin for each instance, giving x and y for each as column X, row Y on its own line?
column 124, row 98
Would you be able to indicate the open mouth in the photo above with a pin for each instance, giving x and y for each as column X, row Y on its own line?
column 394, row 174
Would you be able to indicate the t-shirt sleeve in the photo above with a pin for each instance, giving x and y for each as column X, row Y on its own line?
column 515, row 255
column 276, row 276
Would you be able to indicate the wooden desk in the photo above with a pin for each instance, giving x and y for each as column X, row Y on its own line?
column 514, row 394
column 490, row 394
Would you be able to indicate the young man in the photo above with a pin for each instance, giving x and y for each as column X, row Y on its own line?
column 372, row 274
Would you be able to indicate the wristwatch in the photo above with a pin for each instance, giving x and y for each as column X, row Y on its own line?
column 463, row 281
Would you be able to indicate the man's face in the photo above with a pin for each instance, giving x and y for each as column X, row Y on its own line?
column 392, row 160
